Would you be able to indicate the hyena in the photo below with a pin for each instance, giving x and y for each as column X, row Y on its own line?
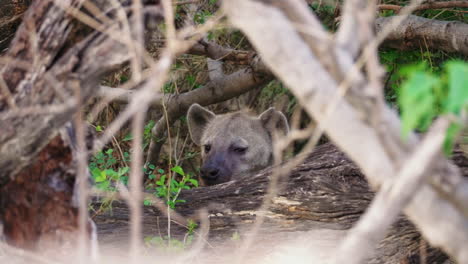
column 235, row 143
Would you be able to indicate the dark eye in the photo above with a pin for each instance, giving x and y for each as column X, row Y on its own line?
column 240, row 150
column 207, row 148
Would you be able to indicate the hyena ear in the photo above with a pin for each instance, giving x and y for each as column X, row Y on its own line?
column 274, row 121
column 198, row 117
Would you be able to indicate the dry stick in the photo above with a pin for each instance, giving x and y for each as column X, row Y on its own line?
column 391, row 198
column 82, row 175
column 136, row 177
column 122, row 36
column 314, row 139
column 141, row 99
column 7, row 94
column 144, row 96
column 40, row 110
column 171, row 42
column 314, row 97
column 137, row 44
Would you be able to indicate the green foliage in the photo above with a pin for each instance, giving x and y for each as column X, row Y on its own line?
column 169, row 188
column 201, row 16
column 146, row 134
column 424, row 95
column 167, row 244
column 173, row 245
column 104, row 172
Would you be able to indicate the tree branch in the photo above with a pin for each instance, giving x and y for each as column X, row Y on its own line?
column 414, row 32
column 293, row 62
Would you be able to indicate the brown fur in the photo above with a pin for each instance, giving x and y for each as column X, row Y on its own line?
column 235, row 143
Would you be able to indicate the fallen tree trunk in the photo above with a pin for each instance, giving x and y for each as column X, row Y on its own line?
column 327, row 191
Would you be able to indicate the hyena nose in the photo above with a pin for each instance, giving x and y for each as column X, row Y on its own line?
column 210, row 173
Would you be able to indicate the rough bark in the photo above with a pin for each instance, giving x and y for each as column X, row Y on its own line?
column 415, row 32
column 10, row 18
column 327, row 191
column 51, row 82
column 50, row 34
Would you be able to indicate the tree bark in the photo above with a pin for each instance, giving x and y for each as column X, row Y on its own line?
column 10, row 18
column 415, row 32
column 49, row 82
column 327, row 191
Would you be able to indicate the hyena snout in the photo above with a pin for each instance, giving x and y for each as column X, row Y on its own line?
column 214, row 173
column 210, row 172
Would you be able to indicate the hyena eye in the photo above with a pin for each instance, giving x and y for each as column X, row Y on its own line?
column 207, row 148
column 240, row 150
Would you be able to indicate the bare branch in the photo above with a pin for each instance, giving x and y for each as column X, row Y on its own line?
column 391, row 199
column 293, row 62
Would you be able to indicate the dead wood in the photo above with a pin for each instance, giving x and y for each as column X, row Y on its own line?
column 47, row 83
column 416, row 32
column 327, row 191
column 10, row 18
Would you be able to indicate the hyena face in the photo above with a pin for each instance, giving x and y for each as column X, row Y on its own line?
column 235, row 143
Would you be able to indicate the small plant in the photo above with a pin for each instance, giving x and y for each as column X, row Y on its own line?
column 169, row 189
column 104, row 173
column 201, row 16
column 169, row 244
column 146, row 134
column 424, row 95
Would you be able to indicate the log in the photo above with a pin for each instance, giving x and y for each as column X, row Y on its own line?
column 327, row 191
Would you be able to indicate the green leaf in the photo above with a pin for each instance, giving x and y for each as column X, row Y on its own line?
column 152, row 176
column 123, row 170
column 128, row 137
column 95, row 172
column 98, row 128
column 179, row 170
column 161, row 171
column 151, row 166
column 194, row 182
column 458, row 86
column 147, row 202
column 417, row 101
column 161, row 181
column 104, row 185
column 101, row 177
column 171, row 204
